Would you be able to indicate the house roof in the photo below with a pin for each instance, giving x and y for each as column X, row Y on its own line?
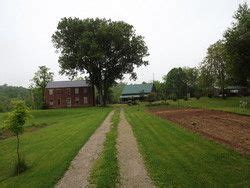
column 63, row 84
column 137, row 89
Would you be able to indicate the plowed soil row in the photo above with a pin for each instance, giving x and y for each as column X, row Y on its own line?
column 227, row 128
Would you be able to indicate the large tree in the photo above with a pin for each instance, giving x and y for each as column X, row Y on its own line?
column 191, row 80
column 206, row 80
column 104, row 49
column 216, row 62
column 40, row 80
column 238, row 45
column 175, row 82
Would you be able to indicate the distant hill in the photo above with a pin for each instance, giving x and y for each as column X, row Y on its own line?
column 7, row 93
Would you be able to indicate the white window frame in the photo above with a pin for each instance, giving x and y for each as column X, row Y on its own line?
column 51, row 102
column 51, row 92
column 76, row 90
column 85, row 100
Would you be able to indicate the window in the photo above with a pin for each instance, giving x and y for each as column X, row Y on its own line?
column 51, row 103
column 50, row 91
column 68, row 102
column 58, row 102
column 58, row 91
column 85, row 90
column 76, row 90
column 85, row 100
column 77, row 100
column 68, row 91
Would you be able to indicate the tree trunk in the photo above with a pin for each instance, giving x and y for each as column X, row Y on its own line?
column 18, row 155
column 100, row 92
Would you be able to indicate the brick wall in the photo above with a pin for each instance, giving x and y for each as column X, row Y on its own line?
column 67, row 97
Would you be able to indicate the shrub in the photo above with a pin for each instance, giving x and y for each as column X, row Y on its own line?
column 157, row 103
column 15, row 122
column 151, row 97
column 210, row 95
column 132, row 102
column 197, row 97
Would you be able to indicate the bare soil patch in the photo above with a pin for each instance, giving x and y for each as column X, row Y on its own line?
column 79, row 170
column 132, row 170
column 227, row 128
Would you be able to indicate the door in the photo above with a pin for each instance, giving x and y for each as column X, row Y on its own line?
column 68, row 102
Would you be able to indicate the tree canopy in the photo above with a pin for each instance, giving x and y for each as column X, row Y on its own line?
column 104, row 49
column 175, row 82
column 40, row 80
column 237, row 45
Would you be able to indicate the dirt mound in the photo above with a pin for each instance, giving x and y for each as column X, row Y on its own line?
column 227, row 128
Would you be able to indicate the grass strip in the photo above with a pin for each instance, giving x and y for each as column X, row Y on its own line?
column 176, row 157
column 49, row 150
column 230, row 104
column 105, row 172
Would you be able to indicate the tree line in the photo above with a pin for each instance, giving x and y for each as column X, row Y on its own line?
column 105, row 50
column 227, row 63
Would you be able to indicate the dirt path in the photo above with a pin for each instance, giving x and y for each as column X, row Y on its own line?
column 78, row 172
column 132, row 170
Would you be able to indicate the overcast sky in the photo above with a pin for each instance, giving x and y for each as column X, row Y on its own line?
column 177, row 32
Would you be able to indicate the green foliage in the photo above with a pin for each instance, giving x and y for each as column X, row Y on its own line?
column 176, row 157
column 49, row 150
column 161, row 90
column 104, row 49
column 237, row 45
column 216, row 63
column 15, row 122
column 152, row 97
column 232, row 104
column 17, row 118
column 116, row 92
column 175, row 82
column 37, row 97
column 192, row 75
column 105, row 172
column 41, row 78
column 8, row 93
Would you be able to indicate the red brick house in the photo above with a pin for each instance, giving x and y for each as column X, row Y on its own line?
column 63, row 94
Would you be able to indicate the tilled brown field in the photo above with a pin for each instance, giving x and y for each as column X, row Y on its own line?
column 227, row 128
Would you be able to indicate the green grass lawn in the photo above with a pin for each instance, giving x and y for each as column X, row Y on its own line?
column 49, row 150
column 231, row 104
column 105, row 172
column 177, row 157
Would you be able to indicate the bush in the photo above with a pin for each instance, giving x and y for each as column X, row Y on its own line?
column 151, row 97
column 157, row 103
column 1, row 108
column 173, row 97
column 44, row 106
column 132, row 102
column 197, row 96
column 210, row 95
column 185, row 98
